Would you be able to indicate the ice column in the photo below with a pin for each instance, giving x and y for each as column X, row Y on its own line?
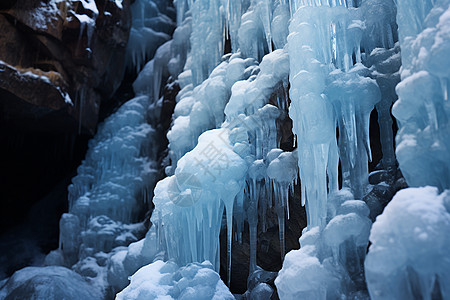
column 329, row 86
column 207, row 38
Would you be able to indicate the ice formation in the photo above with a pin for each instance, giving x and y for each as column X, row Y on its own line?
column 213, row 175
column 326, row 65
column 331, row 85
column 330, row 261
column 413, row 255
column 165, row 280
column 408, row 258
column 423, row 109
column 151, row 27
column 48, row 283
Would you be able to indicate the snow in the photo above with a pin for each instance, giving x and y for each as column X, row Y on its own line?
column 330, row 260
column 408, row 257
column 165, row 280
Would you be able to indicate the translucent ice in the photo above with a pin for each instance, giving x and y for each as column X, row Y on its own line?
column 189, row 205
column 423, row 108
column 147, row 32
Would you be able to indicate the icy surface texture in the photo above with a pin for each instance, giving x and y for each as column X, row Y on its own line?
column 165, row 280
column 217, row 173
column 151, row 27
column 207, row 42
column 422, row 111
column 408, row 258
column 114, row 185
column 330, row 260
column 110, row 192
column 189, row 205
column 343, row 63
column 330, row 86
column 201, row 108
column 115, row 177
column 52, row 283
column 115, row 181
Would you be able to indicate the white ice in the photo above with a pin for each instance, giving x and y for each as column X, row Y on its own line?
column 408, row 258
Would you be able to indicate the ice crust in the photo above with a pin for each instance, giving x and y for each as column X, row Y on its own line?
column 326, row 65
column 330, row 260
column 165, row 280
column 423, row 110
column 408, row 258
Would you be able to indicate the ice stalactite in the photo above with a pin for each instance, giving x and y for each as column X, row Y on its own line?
column 150, row 29
column 212, row 177
column 422, row 112
column 331, row 47
column 207, row 38
column 256, row 124
column 384, row 65
column 314, row 45
column 234, row 11
column 354, row 96
column 189, row 205
column 282, row 174
column 196, row 113
column 330, row 85
column 423, row 109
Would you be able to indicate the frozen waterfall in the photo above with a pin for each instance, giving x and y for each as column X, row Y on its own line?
column 327, row 72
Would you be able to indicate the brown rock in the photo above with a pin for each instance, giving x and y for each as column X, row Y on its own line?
column 80, row 51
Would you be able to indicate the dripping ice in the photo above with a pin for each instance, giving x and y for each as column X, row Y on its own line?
column 326, row 65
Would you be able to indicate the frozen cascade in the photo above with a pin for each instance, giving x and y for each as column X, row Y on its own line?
column 313, row 116
column 333, row 74
column 327, row 78
column 115, row 182
column 423, row 108
column 195, row 194
column 151, row 27
column 422, row 151
column 207, row 38
column 189, row 205
column 195, row 112
column 341, row 60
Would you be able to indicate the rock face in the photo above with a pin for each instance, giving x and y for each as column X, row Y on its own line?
column 59, row 59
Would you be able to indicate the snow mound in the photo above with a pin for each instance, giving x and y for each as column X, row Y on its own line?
column 165, row 280
column 50, row 283
column 408, row 258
